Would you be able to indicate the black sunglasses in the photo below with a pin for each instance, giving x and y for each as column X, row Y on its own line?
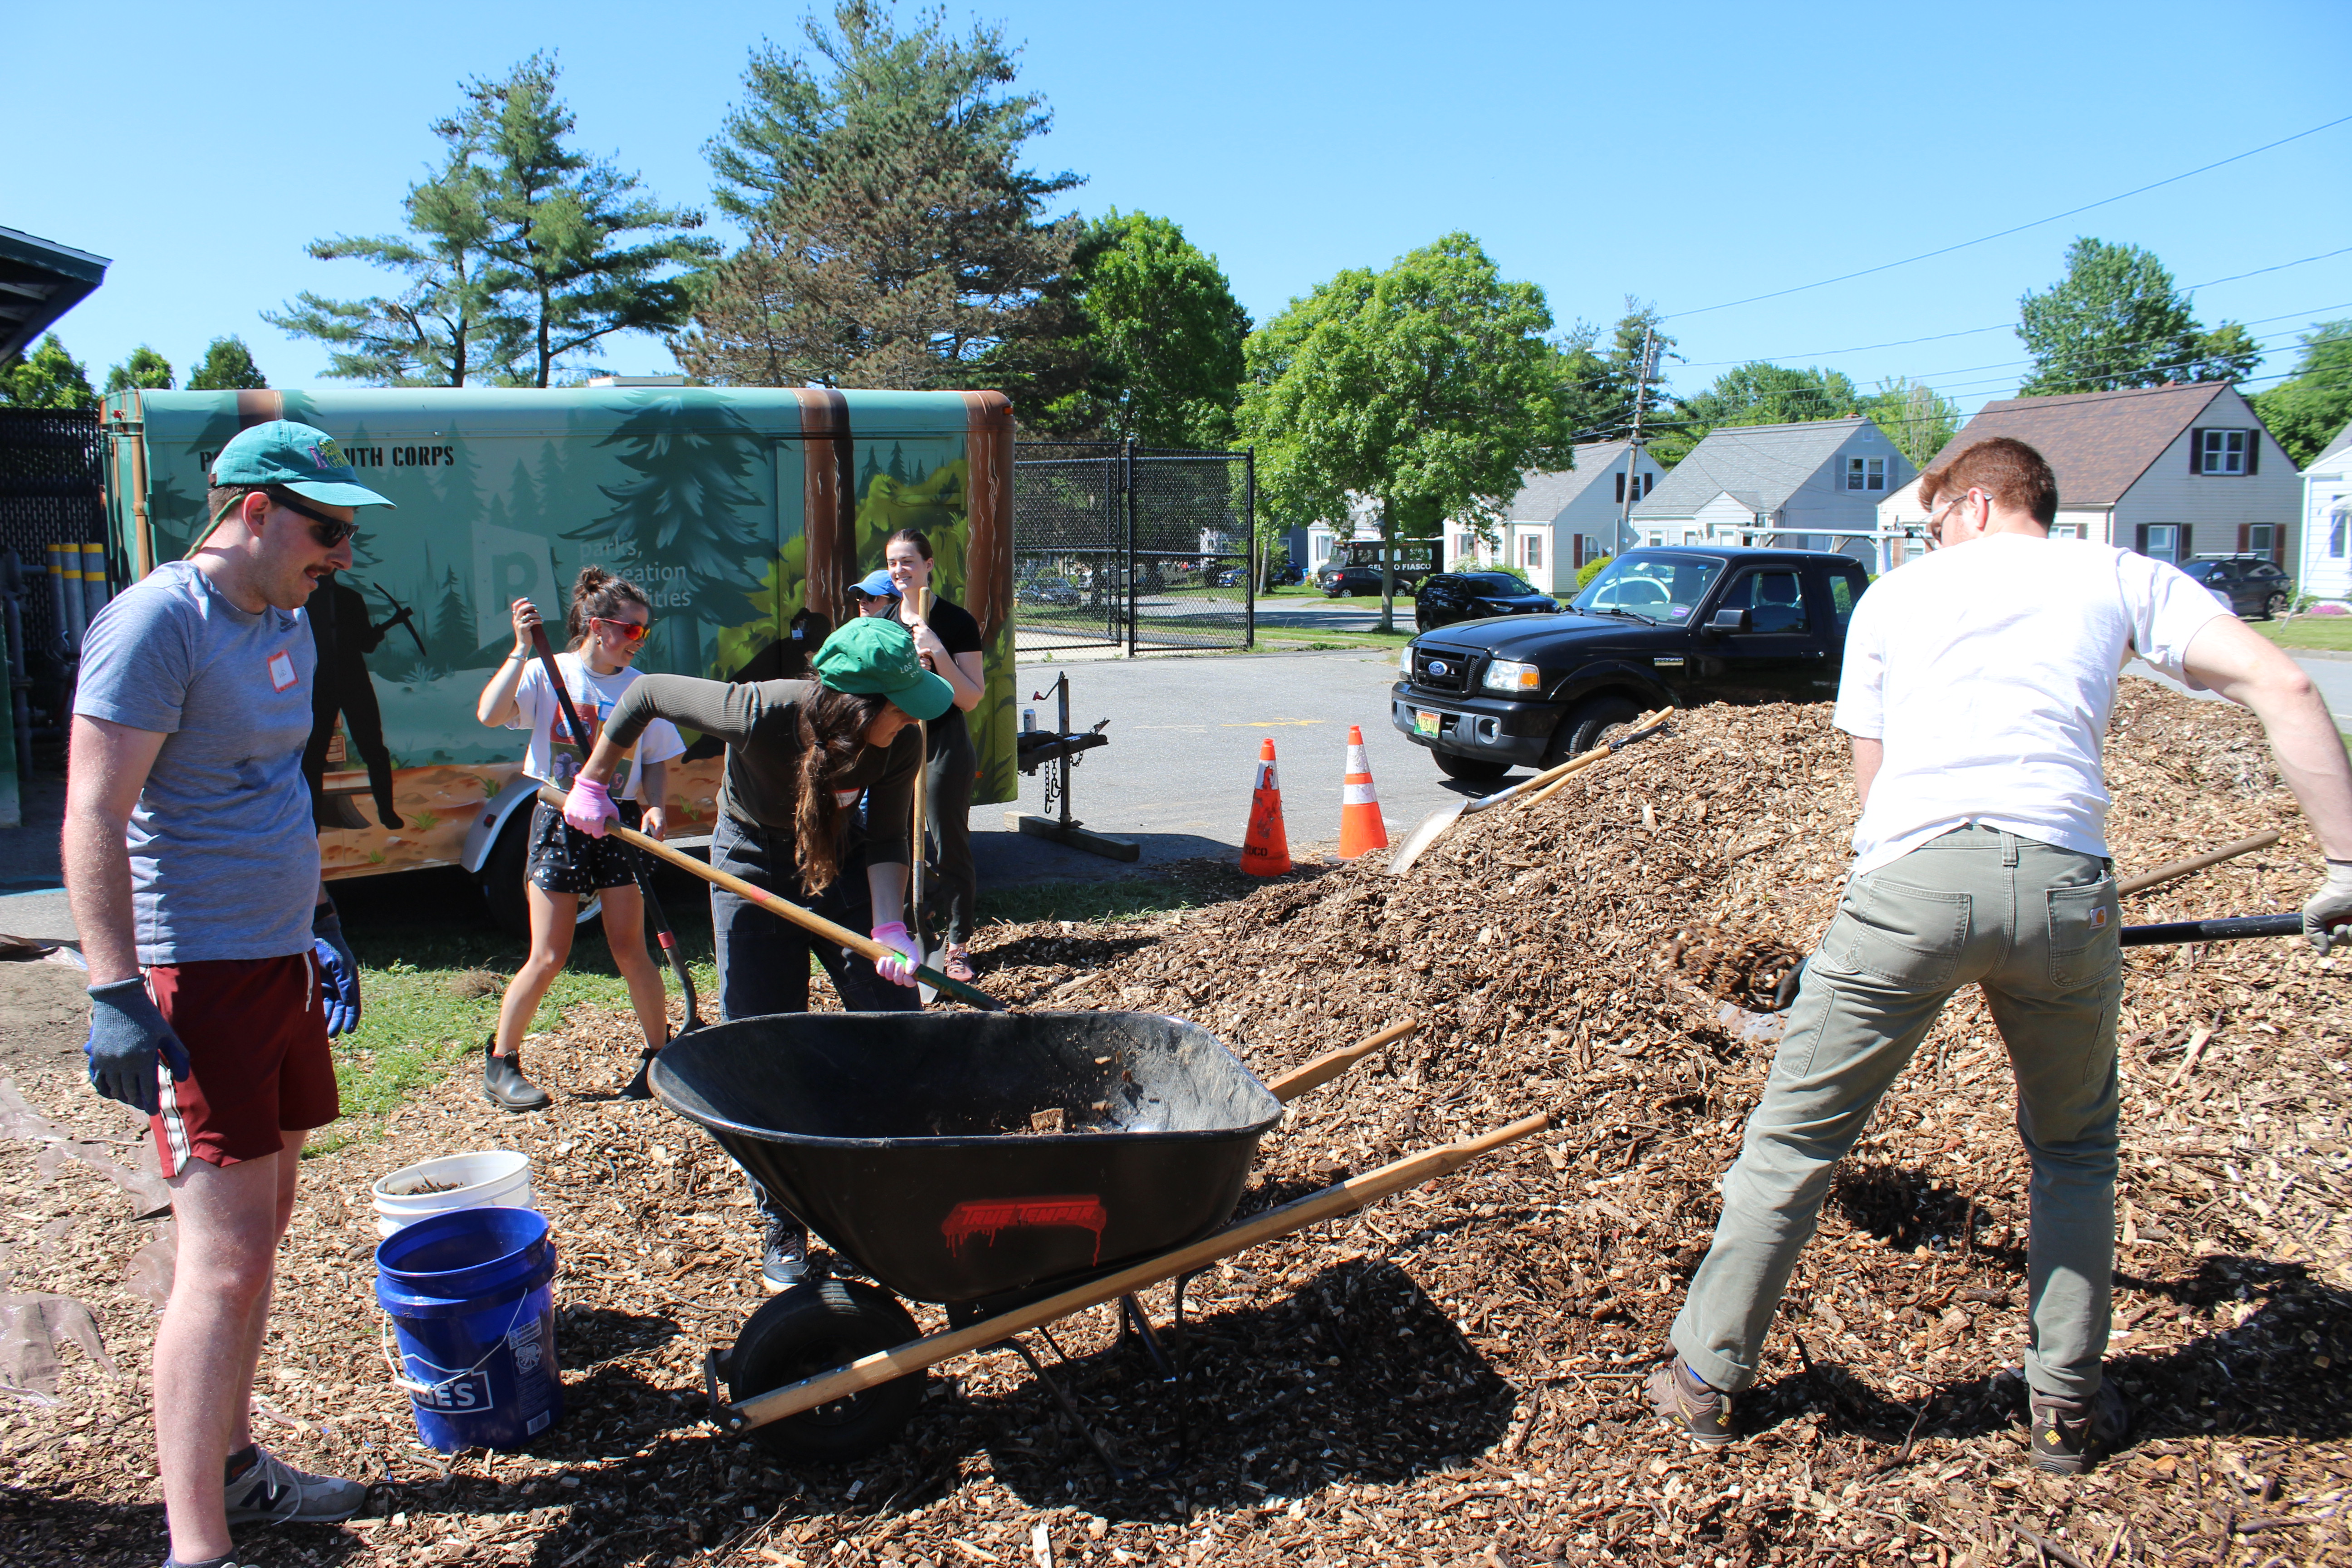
column 328, row 532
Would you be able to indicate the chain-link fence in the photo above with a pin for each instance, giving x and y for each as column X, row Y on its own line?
column 48, row 495
column 1132, row 547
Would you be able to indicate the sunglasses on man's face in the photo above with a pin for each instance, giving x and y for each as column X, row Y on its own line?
column 328, row 532
column 630, row 632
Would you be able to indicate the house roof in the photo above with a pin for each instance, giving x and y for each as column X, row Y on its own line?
column 1543, row 497
column 1767, row 462
column 2098, row 443
column 2336, row 448
column 42, row 280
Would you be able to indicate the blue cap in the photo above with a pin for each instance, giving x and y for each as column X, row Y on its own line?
column 877, row 585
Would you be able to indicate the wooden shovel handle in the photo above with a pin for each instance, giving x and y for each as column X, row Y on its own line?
column 808, row 919
column 1643, row 726
column 1331, row 1064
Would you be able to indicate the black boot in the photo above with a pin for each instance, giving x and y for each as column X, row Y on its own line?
column 638, row 1088
column 503, row 1084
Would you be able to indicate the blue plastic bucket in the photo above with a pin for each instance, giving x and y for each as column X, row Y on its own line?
column 471, row 1297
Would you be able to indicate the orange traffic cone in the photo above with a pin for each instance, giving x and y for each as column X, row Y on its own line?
column 1266, row 848
column 1360, row 828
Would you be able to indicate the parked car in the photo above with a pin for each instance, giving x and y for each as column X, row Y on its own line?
column 2246, row 585
column 1286, row 577
column 1356, row 581
column 1657, row 627
column 1048, row 591
column 1452, row 596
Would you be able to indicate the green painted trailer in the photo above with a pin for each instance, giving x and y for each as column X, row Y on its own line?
column 745, row 514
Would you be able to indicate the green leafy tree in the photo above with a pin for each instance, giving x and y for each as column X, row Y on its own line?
column 1163, row 338
column 1429, row 387
column 523, row 255
column 2311, row 409
column 893, row 240
column 1919, row 420
column 227, row 367
column 144, row 371
column 49, row 378
column 2116, row 321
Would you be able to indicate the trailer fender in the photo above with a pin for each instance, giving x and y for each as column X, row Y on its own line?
column 482, row 835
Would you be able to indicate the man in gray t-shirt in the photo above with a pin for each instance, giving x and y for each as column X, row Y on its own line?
column 217, row 968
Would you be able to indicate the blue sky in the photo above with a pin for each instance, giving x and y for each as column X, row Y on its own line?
column 1691, row 155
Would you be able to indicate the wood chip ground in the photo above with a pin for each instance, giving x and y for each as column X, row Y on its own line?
column 1450, row 1377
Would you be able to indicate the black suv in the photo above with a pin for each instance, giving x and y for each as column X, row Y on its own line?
column 1356, row 582
column 1656, row 627
column 2247, row 584
column 1452, row 596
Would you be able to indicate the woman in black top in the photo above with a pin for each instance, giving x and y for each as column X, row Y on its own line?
column 949, row 641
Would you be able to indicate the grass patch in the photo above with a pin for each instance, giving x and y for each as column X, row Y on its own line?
column 1287, row 639
column 2332, row 632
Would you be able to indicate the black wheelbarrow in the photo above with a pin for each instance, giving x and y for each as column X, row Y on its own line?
column 921, row 1146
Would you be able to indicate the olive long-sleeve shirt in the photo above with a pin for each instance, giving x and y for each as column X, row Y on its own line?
column 760, row 723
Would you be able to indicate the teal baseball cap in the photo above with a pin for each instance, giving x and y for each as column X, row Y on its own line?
column 875, row 656
column 303, row 458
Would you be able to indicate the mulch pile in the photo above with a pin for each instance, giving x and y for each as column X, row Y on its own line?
column 1452, row 1375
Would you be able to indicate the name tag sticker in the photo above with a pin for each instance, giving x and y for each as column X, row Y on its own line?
column 281, row 670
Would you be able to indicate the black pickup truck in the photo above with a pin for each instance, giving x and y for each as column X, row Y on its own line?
column 1656, row 628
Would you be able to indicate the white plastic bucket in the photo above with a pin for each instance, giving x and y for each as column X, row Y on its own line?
column 495, row 1178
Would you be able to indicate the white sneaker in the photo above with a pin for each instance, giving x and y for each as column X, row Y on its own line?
column 274, row 1491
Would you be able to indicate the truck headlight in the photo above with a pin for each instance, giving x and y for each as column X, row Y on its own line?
column 1404, row 662
column 1508, row 675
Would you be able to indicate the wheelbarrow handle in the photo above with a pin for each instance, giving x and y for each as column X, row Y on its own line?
column 1331, row 1064
column 808, row 919
column 880, row 1367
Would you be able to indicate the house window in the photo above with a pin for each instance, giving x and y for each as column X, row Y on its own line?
column 2337, row 519
column 1865, row 473
column 2066, row 531
column 1462, row 544
column 2262, row 538
column 2223, row 451
column 1531, row 552
column 2163, row 542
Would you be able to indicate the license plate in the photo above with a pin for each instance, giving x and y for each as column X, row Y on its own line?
column 1424, row 723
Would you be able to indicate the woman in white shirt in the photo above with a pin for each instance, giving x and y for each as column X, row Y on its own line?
column 608, row 622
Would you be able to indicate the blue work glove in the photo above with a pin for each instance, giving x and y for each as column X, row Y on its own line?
column 127, row 1036
column 898, row 969
column 339, row 973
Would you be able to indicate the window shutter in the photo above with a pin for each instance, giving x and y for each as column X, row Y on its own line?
column 2197, row 451
column 2278, row 544
column 2243, row 529
column 2139, row 538
column 2253, row 448
column 2183, row 552
column 1620, row 487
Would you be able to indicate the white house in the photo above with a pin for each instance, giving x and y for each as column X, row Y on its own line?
column 1811, row 486
column 1559, row 521
column 2324, row 568
column 2172, row 471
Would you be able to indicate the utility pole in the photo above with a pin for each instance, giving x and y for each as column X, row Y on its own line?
column 1643, row 375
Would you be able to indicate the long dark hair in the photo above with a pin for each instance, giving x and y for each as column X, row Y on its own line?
column 833, row 732
column 598, row 592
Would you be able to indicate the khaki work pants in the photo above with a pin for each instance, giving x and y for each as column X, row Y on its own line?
column 2035, row 927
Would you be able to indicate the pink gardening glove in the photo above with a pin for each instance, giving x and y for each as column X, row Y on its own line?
column 589, row 807
column 898, row 971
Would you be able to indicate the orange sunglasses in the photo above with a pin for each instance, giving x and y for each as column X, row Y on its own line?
column 631, row 632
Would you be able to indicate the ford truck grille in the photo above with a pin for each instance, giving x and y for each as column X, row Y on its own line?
column 1442, row 670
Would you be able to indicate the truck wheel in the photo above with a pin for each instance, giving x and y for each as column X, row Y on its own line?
column 1469, row 770
column 811, row 1328
column 1589, row 725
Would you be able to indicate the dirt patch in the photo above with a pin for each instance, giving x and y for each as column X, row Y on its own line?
column 1451, row 1376
column 44, row 1018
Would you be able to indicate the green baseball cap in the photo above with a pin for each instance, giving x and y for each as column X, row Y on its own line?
column 303, row 458
column 875, row 656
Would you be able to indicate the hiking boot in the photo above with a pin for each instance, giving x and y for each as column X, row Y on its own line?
column 641, row 1087
column 503, row 1084
column 784, row 1260
column 261, row 1486
column 2067, row 1432
column 1686, row 1400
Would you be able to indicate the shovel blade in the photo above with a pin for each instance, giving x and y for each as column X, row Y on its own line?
column 1425, row 833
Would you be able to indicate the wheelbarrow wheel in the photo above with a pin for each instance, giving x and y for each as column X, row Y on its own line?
column 816, row 1328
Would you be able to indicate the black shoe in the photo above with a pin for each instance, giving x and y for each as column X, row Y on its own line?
column 640, row 1086
column 503, row 1084
column 784, row 1263
column 2067, row 1432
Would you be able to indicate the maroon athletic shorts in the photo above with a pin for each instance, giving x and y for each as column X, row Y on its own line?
column 257, row 1061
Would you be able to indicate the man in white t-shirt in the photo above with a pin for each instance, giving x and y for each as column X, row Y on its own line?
column 1977, row 688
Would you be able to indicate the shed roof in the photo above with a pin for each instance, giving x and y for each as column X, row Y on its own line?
column 1768, row 462
column 39, row 281
column 2098, row 443
column 2336, row 448
column 1543, row 497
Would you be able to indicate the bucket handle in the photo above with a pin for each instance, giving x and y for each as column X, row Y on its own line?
column 398, row 1363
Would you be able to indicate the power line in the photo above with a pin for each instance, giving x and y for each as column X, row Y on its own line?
column 2020, row 228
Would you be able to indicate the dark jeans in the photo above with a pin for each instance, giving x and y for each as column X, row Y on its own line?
column 946, row 801
column 763, row 960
